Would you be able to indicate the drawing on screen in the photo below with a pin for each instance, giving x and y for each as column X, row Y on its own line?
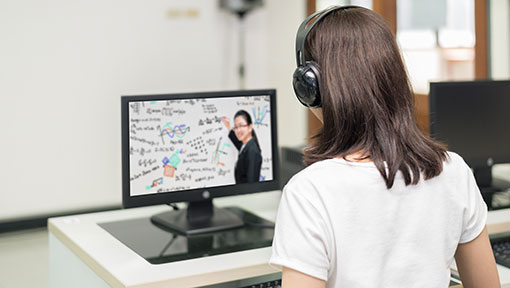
column 218, row 152
column 172, row 131
column 208, row 121
column 198, row 144
column 260, row 114
column 170, row 164
column 155, row 183
column 209, row 108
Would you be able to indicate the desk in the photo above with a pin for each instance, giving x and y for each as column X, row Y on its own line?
column 82, row 254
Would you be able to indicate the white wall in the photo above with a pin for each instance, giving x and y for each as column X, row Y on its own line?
column 64, row 65
column 284, row 18
column 499, row 39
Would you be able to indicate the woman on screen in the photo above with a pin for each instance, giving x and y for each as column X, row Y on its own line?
column 243, row 136
column 380, row 204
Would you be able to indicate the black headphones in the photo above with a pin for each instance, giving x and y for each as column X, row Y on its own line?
column 306, row 76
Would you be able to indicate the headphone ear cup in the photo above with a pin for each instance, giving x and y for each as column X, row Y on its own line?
column 306, row 85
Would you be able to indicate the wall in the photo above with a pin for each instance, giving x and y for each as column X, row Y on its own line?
column 284, row 18
column 64, row 65
column 499, row 37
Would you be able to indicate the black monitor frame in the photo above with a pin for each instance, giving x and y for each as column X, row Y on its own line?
column 199, row 199
column 481, row 164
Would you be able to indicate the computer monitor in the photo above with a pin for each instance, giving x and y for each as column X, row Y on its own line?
column 193, row 147
column 473, row 119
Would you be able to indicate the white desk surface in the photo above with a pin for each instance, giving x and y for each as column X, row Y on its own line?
column 119, row 266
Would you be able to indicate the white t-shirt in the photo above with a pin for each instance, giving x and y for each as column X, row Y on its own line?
column 338, row 222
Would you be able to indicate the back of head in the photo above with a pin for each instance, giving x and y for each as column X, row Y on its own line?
column 367, row 100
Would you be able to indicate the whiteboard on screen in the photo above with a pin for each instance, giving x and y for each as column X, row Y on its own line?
column 184, row 144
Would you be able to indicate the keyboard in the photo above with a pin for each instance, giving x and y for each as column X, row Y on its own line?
column 268, row 284
column 266, row 281
column 275, row 281
column 501, row 248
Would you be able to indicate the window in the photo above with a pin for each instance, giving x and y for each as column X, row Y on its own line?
column 437, row 39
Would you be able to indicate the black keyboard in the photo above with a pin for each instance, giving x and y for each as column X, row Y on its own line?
column 266, row 281
column 501, row 248
column 271, row 281
column 269, row 284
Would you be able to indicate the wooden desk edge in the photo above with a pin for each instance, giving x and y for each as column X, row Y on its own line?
column 496, row 228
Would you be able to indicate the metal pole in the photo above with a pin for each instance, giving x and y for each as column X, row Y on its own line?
column 241, row 52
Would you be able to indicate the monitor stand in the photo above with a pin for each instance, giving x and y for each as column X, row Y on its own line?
column 489, row 185
column 199, row 217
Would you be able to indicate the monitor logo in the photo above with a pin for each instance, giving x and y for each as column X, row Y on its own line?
column 206, row 194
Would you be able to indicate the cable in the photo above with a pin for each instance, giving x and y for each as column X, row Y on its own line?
column 173, row 205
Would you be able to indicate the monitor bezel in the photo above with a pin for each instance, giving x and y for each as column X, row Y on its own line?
column 197, row 194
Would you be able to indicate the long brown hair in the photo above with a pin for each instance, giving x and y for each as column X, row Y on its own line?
column 367, row 100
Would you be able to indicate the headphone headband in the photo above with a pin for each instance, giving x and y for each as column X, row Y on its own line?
column 305, row 28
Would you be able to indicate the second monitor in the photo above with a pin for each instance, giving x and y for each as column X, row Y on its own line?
column 473, row 119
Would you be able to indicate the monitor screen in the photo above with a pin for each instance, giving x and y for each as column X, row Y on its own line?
column 472, row 118
column 196, row 146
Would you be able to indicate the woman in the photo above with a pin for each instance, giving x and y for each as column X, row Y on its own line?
column 380, row 204
column 245, row 140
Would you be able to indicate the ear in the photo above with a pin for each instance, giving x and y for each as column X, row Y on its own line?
column 318, row 113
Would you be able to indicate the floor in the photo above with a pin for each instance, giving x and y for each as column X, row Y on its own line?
column 24, row 259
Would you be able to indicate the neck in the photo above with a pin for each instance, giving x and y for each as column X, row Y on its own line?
column 356, row 157
column 247, row 139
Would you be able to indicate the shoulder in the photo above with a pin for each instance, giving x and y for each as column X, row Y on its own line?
column 309, row 178
column 454, row 157
column 310, row 171
column 252, row 147
column 456, row 174
column 335, row 170
column 304, row 192
column 454, row 163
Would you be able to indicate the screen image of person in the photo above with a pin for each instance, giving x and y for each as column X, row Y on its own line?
column 244, row 138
